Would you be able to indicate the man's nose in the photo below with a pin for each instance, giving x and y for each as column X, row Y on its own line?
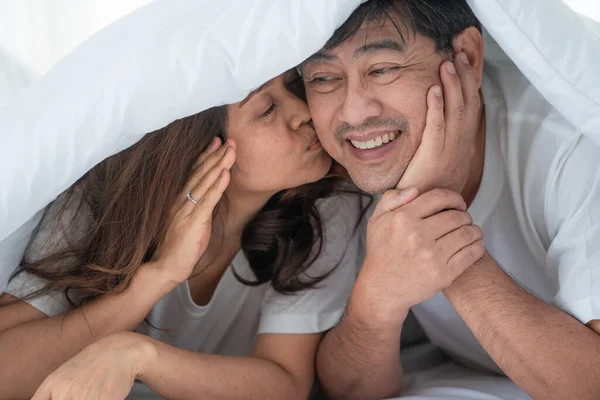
column 359, row 105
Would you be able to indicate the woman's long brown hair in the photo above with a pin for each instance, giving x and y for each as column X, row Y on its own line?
column 124, row 202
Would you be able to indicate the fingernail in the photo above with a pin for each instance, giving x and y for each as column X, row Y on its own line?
column 437, row 91
column 451, row 69
column 463, row 57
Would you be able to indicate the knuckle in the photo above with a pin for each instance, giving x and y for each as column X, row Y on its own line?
column 460, row 112
column 388, row 196
column 476, row 102
column 435, row 275
column 439, row 193
column 427, row 255
column 467, row 218
column 200, row 166
column 440, row 125
column 413, row 238
column 457, row 217
column 466, row 232
column 479, row 249
column 400, row 217
column 478, row 232
column 468, row 253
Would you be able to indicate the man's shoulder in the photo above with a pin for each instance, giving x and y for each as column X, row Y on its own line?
column 535, row 134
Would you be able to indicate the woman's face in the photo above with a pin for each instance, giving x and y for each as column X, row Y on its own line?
column 276, row 144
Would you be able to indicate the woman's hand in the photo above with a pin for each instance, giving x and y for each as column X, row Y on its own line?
column 106, row 369
column 190, row 225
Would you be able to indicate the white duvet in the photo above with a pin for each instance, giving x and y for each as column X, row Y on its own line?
column 173, row 58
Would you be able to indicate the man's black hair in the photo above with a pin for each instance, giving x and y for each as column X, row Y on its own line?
column 439, row 20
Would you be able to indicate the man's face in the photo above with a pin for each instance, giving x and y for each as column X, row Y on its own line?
column 368, row 101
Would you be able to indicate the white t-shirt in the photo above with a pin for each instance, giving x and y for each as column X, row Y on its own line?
column 236, row 313
column 538, row 206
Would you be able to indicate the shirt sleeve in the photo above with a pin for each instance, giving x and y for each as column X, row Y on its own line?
column 572, row 213
column 48, row 238
column 23, row 284
column 320, row 308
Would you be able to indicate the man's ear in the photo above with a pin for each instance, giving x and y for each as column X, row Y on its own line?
column 470, row 42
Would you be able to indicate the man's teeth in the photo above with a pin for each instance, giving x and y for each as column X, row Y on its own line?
column 374, row 143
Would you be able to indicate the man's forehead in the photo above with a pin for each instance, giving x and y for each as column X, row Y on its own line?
column 371, row 37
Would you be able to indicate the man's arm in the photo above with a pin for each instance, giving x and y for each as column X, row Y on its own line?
column 431, row 234
column 360, row 357
column 545, row 351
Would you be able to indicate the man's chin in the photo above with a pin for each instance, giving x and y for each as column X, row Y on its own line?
column 374, row 186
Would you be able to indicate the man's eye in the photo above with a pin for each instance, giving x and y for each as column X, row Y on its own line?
column 383, row 71
column 322, row 79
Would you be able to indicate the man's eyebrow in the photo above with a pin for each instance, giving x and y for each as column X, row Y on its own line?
column 321, row 56
column 387, row 44
column 255, row 91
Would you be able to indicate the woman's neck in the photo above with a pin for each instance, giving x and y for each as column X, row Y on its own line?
column 234, row 213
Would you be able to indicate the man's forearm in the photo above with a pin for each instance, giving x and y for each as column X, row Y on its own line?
column 52, row 341
column 360, row 358
column 546, row 352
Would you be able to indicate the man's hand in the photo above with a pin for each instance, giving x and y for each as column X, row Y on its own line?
column 417, row 249
column 443, row 159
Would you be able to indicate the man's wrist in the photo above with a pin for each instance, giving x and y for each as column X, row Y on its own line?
column 473, row 276
column 369, row 307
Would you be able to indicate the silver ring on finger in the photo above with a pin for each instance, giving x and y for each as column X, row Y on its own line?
column 190, row 198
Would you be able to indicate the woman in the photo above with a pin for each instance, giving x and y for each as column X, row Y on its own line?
column 211, row 251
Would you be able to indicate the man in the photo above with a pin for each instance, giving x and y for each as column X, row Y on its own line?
column 525, row 300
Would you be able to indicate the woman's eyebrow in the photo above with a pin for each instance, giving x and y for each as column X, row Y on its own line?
column 255, row 91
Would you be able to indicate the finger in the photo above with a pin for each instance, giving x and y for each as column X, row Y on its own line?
column 444, row 222
column 39, row 395
column 211, row 177
column 205, row 208
column 394, row 199
column 470, row 87
column 453, row 95
column 435, row 124
column 205, row 176
column 209, row 162
column 466, row 257
column 213, row 146
column 434, row 201
column 458, row 239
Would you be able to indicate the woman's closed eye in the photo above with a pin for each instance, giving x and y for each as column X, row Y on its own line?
column 269, row 111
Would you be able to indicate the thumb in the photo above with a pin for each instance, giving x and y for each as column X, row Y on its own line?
column 394, row 199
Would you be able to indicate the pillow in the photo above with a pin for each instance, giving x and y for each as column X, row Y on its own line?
column 556, row 50
column 164, row 61
column 14, row 77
